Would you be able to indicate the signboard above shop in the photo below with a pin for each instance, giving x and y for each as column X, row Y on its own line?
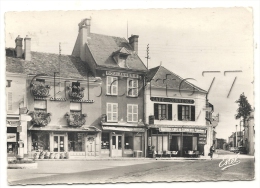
column 132, row 129
column 122, row 74
column 172, row 100
column 181, row 129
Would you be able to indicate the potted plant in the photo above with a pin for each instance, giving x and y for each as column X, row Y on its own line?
column 40, row 119
column 39, row 89
column 76, row 119
column 76, row 92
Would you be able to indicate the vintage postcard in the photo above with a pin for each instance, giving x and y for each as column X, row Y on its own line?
column 130, row 96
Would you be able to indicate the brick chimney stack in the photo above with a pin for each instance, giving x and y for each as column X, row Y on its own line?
column 84, row 31
column 27, row 48
column 19, row 47
column 133, row 41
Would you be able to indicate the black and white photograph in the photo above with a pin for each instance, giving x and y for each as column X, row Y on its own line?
column 130, row 95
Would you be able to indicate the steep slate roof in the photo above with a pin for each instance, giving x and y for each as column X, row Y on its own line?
column 47, row 63
column 102, row 48
column 158, row 75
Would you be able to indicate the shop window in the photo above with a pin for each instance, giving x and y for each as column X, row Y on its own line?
column 112, row 85
column 162, row 111
column 40, row 141
column 132, row 113
column 75, row 108
column 112, row 112
column 105, row 141
column 128, row 141
column 40, row 106
column 132, row 87
column 76, row 141
column 186, row 113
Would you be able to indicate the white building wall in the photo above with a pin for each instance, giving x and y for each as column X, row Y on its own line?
column 200, row 103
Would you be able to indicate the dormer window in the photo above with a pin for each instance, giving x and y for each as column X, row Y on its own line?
column 120, row 56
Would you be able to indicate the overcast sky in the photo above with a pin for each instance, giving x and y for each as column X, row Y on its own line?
column 186, row 41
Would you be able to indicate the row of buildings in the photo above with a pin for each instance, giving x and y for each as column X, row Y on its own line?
column 101, row 101
column 246, row 137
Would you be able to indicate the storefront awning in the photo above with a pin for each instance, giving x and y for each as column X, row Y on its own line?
column 65, row 128
column 126, row 129
column 177, row 126
column 123, row 124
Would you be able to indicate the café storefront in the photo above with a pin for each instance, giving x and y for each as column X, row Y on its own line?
column 56, row 140
column 178, row 139
column 122, row 141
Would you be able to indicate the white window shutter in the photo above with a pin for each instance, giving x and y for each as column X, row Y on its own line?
column 109, row 112
column 135, row 113
column 10, row 101
column 115, row 112
column 108, row 84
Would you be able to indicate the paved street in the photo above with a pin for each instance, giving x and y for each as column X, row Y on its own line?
column 132, row 171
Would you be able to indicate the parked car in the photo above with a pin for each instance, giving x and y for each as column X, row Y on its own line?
column 235, row 150
column 241, row 150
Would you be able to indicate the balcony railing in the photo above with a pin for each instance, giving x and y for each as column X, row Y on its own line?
column 40, row 89
column 40, row 119
column 76, row 120
column 76, row 92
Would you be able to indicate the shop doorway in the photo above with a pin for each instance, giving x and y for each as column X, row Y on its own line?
column 116, row 146
column 187, row 143
column 90, row 144
column 58, row 143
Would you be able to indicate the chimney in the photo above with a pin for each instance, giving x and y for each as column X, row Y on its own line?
column 19, row 46
column 133, row 41
column 27, row 48
column 84, row 31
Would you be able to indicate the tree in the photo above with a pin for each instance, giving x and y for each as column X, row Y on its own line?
column 244, row 108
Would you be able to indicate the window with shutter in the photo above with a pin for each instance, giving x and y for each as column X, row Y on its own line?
column 132, row 87
column 156, row 114
column 132, row 113
column 169, row 112
column 10, row 101
column 112, row 85
column 112, row 112
column 186, row 113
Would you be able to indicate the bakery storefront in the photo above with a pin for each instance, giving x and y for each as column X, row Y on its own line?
column 179, row 139
column 122, row 140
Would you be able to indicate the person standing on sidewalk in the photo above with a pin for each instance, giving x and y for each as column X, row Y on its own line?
column 212, row 149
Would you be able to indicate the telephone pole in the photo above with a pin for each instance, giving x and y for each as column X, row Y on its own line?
column 147, row 54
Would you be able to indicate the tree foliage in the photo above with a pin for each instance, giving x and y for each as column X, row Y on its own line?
column 244, row 108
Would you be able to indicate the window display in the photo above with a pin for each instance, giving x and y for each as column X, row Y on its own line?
column 40, row 141
column 105, row 141
column 76, row 141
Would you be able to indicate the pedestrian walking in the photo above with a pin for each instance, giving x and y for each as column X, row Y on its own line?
column 211, row 150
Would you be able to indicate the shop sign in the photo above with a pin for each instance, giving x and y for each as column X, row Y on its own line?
column 149, row 141
column 11, row 137
column 171, row 100
column 133, row 129
column 202, row 142
column 177, row 129
column 13, row 123
column 122, row 74
column 202, row 139
column 203, row 135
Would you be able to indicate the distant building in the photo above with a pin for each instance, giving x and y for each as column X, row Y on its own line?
column 220, row 143
column 249, row 134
